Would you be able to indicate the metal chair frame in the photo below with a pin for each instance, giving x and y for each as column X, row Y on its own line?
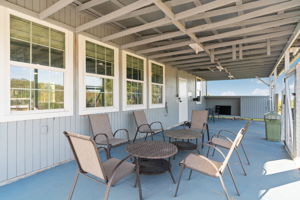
column 220, row 176
column 107, row 181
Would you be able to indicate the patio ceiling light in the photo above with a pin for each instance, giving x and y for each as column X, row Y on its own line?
column 196, row 47
column 220, row 68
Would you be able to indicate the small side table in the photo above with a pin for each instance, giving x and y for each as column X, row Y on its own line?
column 155, row 154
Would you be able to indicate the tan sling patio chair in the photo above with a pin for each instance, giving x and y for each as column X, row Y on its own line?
column 199, row 122
column 89, row 163
column 220, row 140
column 103, row 134
column 144, row 127
column 210, row 167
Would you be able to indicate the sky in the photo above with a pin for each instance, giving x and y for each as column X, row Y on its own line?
column 240, row 87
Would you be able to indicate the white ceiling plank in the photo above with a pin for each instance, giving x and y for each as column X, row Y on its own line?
column 223, row 51
column 54, row 8
column 240, row 51
column 233, row 20
column 268, row 47
column 140, row 28
column 160, row 48
column 203, row 8
column 113, row 15
column 251, row 29
column 152, row 9
column 253, row 14
column 250, row 39
column 90, row 4
column 152, row 39
column 234, row 52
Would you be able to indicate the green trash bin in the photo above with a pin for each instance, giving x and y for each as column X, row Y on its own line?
column 273, row 126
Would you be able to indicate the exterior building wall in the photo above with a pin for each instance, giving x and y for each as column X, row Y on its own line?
column 243, row 106
column 254, row 107
column 29, row 146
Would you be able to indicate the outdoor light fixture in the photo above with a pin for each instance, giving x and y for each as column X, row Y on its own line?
column 210, row 69
column 230, row 76
column 196, row 47
column 220, row 68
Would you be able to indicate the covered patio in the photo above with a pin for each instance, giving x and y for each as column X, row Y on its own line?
column 103, row 69
column 271, row 175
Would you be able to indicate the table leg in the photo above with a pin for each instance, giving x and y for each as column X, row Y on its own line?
column 138, row 180
column 170, row 171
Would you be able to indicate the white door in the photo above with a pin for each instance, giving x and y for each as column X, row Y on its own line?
column 183, row 100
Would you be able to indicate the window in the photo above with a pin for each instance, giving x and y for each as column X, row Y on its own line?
column 134, row 82
column 200, row 84
column 36, row 74
column 156, row 84
column 98, row 76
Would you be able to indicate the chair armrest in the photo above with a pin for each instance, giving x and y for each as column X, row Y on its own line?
column 105, row 149
column 157, row 122
column 226, row 131
column 140, row 126
column 124, row 131
column 102, row 134
column 216, row 148
column 220, row 136
column 113, row 175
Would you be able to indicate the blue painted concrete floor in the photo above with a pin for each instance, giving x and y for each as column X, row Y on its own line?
column 271, row 176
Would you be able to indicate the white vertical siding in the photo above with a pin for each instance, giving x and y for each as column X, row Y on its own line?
column 254, row 107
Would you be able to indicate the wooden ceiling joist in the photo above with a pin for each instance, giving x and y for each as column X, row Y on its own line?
column 90, row 4
column 113, row 15
column 54, row 8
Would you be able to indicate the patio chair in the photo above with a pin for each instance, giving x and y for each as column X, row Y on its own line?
column 225, row 142
column 199, row 122
column 103, row 134
column 144, row 127
column 210, row 167
column 89, row 163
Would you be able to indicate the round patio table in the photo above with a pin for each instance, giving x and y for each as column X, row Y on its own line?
column 184, row 134
column 150, row 158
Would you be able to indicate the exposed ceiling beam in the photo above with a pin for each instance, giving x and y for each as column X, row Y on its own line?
column 140, row 28
column 244, row 23
column 160, row 48
column 250, row 39
column 251, row 29
column 203, row 8
column 223, row 51
column 54, row 8
column 113, row 15
column 163, row 22
column 153, row 9
column 253, row 14
column 90, row 4
column 290, row 42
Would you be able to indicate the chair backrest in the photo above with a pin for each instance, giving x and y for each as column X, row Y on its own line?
column 100, row 124
column 247, row 126
column 236, row 141
column 140, row 117
column 86, row 154
column 199, row 119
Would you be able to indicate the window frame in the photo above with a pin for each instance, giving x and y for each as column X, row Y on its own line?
column 6, row 114
column 161, row 105
column 126, row 107
column 83, row 110
column 201, row 89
